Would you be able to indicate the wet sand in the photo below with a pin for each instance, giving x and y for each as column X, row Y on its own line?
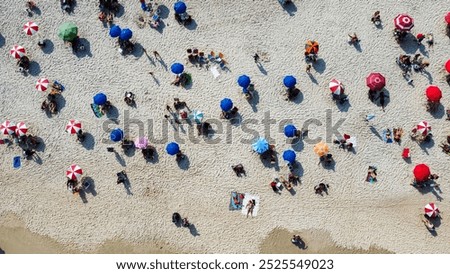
column 316, row 242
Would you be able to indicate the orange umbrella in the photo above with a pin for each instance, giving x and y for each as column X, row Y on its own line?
column 321, row 149
column 311, row 47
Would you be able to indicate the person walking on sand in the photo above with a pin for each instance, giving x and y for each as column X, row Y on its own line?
column 156, row 54
column 256, row 58
column 250, row 206
column 308, row 68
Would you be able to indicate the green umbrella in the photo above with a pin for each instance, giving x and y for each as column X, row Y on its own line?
column 68, row 31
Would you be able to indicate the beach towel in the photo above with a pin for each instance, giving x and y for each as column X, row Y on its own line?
column 239, row 197
column 384, row 136
column 96, row 109
column 215, row 72
column 62, row 87
column 247, row 198
column 17, row 163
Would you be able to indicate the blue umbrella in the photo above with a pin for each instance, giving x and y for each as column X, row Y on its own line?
column 226, row 104
column 100, row 99
column 243, row 81
column 177, row 68
column 172, row 148
column 289, row 156
column 116, row 135
column 126, row 34
column 114, row 31
column 260, row 146
column 144, row 6
column 289, row 81
column 289, row 131
column 180, row 7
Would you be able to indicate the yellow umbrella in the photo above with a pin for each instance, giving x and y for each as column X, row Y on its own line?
column 321, row 149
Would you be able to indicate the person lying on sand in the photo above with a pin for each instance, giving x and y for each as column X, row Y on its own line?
column 398, row 133
column 239, row 170
column 250, row 206
column 376, row 18
column 371, row 174
column 429, row 225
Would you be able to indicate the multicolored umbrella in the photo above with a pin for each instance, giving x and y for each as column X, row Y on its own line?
column 17, row 51
column 141, row 142
column 42, row 84
column 74, row 172
column 447, row 66
column 424, row 128
column 260, row 146
column 375, row 81
column 431, row 210
column 336, row 87
column 73, row 126
column 197, row 116
column 321, row 149
column 21, row 129
column 421, row 172
column 311, row 47
column 404, row 22
column 30, row 28
column 8, row 128
column 434, row 94
column 68, row 31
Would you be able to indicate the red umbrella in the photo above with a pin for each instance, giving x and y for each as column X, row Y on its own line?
column 434, row 94
column 21, row 129
column 431, row 210
column 336, row 87
column 421, row 173
column 8, row 128
column 375, row 81
column 447, row 66
column 74, row 172
column 17, row 51
column 424, row 128
column 447, row 18
column 404, row 22
column 73, row 126
column 42, row 84
column 30, row 28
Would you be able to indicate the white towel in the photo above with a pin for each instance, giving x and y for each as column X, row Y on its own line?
column 215, row 72
column 247, row 198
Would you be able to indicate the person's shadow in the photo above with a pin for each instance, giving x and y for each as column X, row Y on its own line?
column 49, row 46
column 193, row 230
column 89, row 141
column 87, row 49
column 2, row 40
column 89, row 185
column 120, row 159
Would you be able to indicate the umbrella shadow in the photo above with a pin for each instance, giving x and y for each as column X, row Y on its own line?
column 35, row 68
column 254, row 101
column 320, row 65
column 138, row 50
column 49, row 46
column 184, row 163
column 89, row 185
column 298, row 169
column 439, row 113
column 192, row 25
column 87, row 48
column 312, row 78
column 290, row 8
column 426, row 145
column 236, row 120
column 89, row 141
column 409, row 45
column 261, row 68
column 297, row 144
column 344, row 106
column 193, row 230
column 129, row 152
column 298, row 99
column 2, row 40
column 161, row 26
column 163, row 11
column 154, row 159
column 60, row 102
column 113, row 113
column 120, row 159
column 387, row 100
column 120, row 11
column 330, row 166
column 429, row 189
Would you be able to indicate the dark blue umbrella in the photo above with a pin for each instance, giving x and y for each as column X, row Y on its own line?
column 116, row 135
column 289, row 156
column 100, row 99
column 226, row 104
column 289, row 81
column 144, row 6
column 243, row 81
column 180, row 7
column 289, row 131
column 114, row 31
column 126, row 34
column 177, row 68
column 172, row 148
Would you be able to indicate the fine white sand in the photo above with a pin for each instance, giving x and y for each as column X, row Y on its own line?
column 356, row 214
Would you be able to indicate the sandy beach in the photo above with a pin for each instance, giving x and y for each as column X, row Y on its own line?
column 36, row 209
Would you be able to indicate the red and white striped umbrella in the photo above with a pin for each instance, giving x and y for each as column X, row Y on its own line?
column 404, row 22
column 42, row 84
column 17, row 51
column 73, row 126
column 424, row 128
column 431, row 210
column 30, row 28
column 8, row 128
column 336, row 87
column 21, row 129
column 74, row 172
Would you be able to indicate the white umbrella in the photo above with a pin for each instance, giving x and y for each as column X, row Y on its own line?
column 197, row 116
